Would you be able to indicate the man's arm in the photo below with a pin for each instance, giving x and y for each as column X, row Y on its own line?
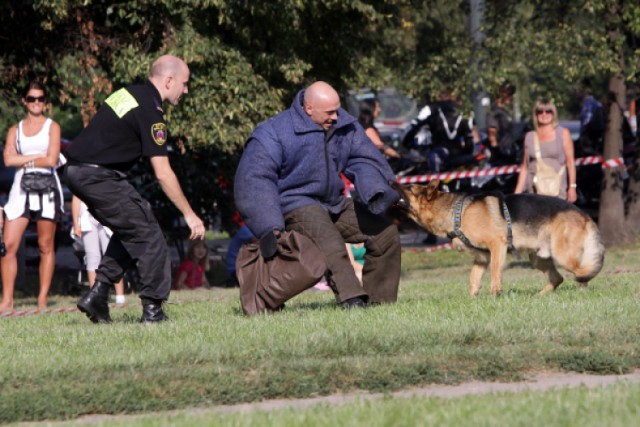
column 171, row 187
column 75, row 215
column 370, row 173
column 256, row 193
column 492, row 129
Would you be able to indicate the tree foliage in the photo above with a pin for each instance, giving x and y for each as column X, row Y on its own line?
column 248, row 58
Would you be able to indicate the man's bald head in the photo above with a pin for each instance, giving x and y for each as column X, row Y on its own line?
column 321, row 103
column 166, row 65
column 170, row 75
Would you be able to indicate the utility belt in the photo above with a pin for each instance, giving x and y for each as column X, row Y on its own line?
column 96, row 167
column 89, row 165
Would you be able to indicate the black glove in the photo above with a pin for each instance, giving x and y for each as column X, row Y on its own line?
column 269, row 244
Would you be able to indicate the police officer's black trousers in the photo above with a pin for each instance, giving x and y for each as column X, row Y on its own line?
column 355, row 224
column 137, row 237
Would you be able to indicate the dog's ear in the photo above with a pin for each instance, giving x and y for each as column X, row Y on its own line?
column 432, row 189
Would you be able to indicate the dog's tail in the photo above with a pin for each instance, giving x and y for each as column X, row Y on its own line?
column 592, row 254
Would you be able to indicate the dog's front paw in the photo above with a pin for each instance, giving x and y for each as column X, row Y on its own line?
column 496, row 292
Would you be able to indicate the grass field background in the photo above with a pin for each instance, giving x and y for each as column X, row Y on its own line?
column 60, row 366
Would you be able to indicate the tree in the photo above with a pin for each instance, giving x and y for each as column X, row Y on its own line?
column 247, row 59
column 550, row 44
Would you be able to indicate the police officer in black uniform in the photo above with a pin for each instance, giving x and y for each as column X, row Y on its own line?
column 128, row 126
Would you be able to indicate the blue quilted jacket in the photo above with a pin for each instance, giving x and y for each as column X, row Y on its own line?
column 289, row 162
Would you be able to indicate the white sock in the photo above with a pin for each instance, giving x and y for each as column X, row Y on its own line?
column 120, row 299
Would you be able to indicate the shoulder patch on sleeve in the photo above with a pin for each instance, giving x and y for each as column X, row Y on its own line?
column 159, row 133
column 121, row 102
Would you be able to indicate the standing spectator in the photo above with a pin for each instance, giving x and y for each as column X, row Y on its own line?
column 369, row 112
column 33, row 146
column 128, row 126
column 95, row 239
column 556, row 150
column 191, row 273
column 500, row 128
column 593, row 123
column 289, row 179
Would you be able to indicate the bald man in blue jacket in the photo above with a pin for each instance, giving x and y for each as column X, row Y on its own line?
column 289, row 179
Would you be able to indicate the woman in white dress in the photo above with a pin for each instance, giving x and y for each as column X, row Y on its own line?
column 33, row 145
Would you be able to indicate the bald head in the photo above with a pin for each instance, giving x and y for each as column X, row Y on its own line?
column 170, row 75
column 166, row 65
column 321, row 103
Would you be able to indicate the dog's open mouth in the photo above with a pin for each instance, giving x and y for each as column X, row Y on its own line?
column 403, row 203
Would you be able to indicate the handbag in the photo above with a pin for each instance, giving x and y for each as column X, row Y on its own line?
column 266, row 284
column 546, row 181
column 38, row 182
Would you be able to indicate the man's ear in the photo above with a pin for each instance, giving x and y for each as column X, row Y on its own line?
column 168, row 81
column 308, row 109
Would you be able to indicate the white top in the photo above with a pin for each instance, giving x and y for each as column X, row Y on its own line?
column 84, row 218
column 37, row 144
column 88, row 222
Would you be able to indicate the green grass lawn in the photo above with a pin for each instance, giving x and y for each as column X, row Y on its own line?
column 60, row 366
column 614, row 406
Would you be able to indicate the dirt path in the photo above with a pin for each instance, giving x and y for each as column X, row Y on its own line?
column 538, row 382
column 541, row 382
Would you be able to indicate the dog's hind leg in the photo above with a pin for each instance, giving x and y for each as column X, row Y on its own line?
column 480, row 263
column 554, row 278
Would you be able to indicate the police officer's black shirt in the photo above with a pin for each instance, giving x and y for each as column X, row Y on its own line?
column 129, row 125
column 449, row 128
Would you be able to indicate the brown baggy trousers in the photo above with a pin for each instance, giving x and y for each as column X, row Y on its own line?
column 355, row 224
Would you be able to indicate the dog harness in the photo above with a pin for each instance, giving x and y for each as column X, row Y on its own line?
column 457, row 233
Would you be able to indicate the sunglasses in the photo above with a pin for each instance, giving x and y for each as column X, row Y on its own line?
column 544, row 111
column 31, row 99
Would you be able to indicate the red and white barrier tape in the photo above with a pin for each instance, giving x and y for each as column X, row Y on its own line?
column 591, row 160
column 613, row 163
column 447, row 176
column 500, row 170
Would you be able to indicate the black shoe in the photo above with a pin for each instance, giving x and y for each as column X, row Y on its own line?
column 95, row 303
column 152, row 313
column 355, row 302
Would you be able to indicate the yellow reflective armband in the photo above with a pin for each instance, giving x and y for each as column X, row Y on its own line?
column 121, row 102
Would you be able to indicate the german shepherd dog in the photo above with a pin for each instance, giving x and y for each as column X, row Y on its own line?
column 552, row 231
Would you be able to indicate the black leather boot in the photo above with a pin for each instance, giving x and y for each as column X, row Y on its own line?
column 152, row 312
column 95, row 303
column 355, row 302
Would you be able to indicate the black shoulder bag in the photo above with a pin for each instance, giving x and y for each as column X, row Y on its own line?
column 35, row 182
